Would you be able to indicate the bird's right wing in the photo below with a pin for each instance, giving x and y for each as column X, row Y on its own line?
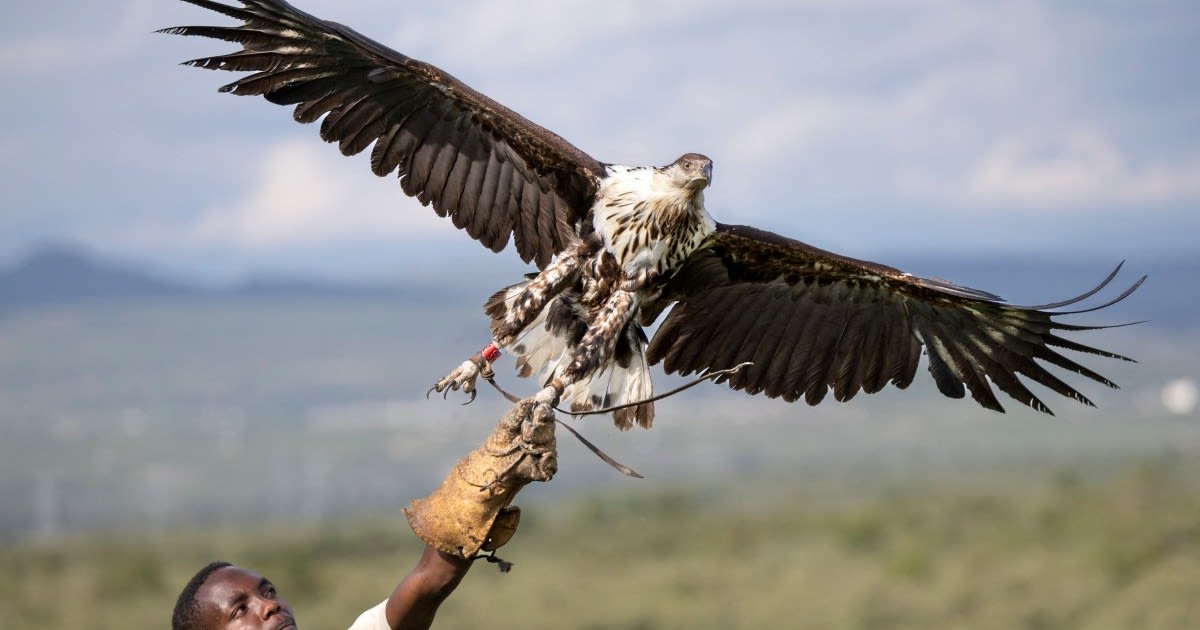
column 493, row 172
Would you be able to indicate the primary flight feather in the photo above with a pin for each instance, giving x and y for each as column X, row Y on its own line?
column 618, row 245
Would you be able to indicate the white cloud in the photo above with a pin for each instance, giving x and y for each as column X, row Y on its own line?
column 791, row 128
column 520, row 29
column 305, row 192
column 1074, row 169
column 40, row 52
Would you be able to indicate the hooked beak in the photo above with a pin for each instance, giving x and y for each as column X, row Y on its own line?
column 703, row 180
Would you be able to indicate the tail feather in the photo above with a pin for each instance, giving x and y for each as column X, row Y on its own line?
column 613, row 386
column 630, row 384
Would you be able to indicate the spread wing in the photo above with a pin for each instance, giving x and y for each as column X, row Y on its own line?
column 812, row 321
column 494, row 173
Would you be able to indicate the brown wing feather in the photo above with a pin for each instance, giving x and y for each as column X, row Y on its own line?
column 494, row 173
column 813, row 321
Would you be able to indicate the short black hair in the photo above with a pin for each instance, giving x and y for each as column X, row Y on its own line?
column 187, row 609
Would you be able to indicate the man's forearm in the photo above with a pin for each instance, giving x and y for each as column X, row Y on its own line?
column 415, row 600
column 471, row 511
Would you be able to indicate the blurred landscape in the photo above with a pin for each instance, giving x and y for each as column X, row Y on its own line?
column 216, row 334
column 149, row 424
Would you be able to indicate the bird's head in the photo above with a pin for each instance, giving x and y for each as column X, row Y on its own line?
column 692, row 171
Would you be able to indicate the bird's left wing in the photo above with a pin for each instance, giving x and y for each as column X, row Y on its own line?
column 813, row 322
column 494, row 173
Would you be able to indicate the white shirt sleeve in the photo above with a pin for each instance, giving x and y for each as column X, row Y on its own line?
column 372, row 619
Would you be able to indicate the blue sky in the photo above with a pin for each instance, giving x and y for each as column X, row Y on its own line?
column 870, row 128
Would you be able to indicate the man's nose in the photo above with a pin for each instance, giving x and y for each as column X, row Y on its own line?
column 267, row 608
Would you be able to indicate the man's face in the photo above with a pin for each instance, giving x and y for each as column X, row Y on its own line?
column 233, row 598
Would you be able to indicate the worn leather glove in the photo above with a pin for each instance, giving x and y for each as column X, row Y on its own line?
column 470, row 511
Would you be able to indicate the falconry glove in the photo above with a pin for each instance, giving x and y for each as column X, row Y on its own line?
column 470, row 511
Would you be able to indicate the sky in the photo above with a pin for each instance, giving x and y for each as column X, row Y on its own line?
column 875, row 129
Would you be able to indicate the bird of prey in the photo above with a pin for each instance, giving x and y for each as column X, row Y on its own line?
column 616, row 246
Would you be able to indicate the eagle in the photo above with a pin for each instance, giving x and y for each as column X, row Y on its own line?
column 615, row 246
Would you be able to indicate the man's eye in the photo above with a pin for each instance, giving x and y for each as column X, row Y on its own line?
column 270, row 594
column 237, row 612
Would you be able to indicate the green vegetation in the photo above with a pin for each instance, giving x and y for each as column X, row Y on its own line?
column 121, row 422
column 1077, row 549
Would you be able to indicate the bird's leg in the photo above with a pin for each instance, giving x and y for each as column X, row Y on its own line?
column 596, row 345
column 561, row 272
column 551, row 281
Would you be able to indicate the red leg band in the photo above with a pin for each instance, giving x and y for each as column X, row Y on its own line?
column 490, row 353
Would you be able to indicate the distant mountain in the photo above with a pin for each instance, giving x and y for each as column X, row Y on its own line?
column 59, row 273
column 267, row 287
column 65, row 274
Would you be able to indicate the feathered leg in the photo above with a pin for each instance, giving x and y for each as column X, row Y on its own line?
column 511, row 317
